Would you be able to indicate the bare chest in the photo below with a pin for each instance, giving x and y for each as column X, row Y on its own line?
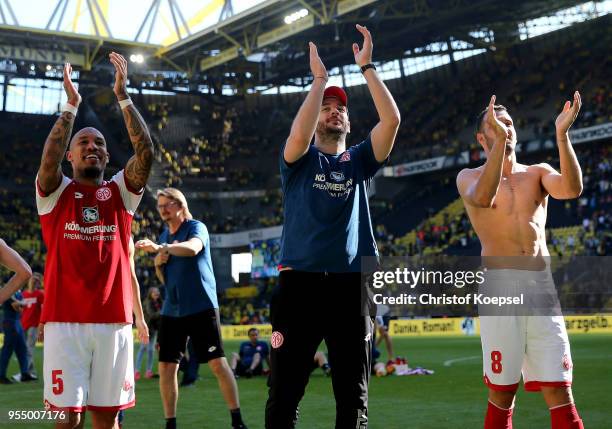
column 520, row 194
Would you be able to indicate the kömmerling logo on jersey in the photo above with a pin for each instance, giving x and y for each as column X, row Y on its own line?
column 90, row 214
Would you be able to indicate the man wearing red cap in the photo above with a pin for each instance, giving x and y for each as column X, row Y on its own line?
column 327, row 231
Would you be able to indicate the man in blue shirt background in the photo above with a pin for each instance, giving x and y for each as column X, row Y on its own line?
column 190, row 310
column 249, row 360
column 327, row 231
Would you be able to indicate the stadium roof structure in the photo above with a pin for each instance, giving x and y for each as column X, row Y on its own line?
column 266, row 38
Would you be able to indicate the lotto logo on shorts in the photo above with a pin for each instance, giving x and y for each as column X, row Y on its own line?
column 127, row 385
column 277, row 339
column 103, row 194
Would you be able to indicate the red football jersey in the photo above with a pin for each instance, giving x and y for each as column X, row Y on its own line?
column 87, row 231
column 32, row 302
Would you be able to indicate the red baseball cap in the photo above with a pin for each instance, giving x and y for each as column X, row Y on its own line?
column 336, row 92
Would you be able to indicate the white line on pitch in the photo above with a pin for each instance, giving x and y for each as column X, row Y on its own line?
column 452, row 361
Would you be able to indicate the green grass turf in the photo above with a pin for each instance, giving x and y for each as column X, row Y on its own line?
column 452, row 398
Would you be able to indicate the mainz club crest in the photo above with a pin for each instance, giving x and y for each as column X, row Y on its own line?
column 277, row 339
column 103, row 194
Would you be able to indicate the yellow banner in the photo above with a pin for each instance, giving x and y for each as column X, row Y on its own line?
column 588, row 323
column 241, row 292
column 433, row 327
column 452, row 326
column 240, row 332
column 461, row 326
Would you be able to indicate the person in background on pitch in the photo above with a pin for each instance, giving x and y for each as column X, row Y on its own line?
column 184, row 265
column 139, row 319
column 14, row 338
column 507, row 204
column 189, row 366
column 141, row 325
column 320, row 361
column 33, row 299
column 249, row 360
column 382, row 334
column 327, row 231
column 86, row 227
column 151, row 306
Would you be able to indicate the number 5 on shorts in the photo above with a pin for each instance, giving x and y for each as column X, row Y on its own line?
column 58, row 383
column 496, row 362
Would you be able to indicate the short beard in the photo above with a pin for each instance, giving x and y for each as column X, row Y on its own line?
column 92, row 172
column 328, row 133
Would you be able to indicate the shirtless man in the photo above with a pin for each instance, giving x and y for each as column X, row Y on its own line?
column 506, row 203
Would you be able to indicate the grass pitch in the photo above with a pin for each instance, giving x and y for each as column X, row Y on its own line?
column 454, row 397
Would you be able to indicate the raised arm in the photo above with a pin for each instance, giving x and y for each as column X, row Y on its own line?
column 479, row 187
column 50, row 172
column 568, row 184
column 305, row 122
column 138, row 167
column 11, row 260
column 384, row 132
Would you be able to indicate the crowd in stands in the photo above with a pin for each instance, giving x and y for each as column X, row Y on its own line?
column 227, row 134
column 243, row 312
column 237, row 144
column 244, row 213
column 438, row 114
column 591, row 210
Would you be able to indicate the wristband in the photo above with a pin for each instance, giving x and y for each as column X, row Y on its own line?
column 367, row 66
column 125, row 103
column 70, row 108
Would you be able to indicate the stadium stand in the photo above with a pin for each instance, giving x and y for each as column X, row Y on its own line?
column 206, row 146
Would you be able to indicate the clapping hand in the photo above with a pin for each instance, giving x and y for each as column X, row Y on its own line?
column 568, row 115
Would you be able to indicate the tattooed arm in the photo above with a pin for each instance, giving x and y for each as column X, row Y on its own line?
column 138, row 167
column 50, row 172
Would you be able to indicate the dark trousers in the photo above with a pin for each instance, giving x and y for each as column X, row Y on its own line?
column 14, row 341
column 191, row 366
column 305, row 309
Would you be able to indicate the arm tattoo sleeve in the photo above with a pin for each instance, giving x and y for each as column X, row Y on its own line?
column 139, row 166
column 49, row 173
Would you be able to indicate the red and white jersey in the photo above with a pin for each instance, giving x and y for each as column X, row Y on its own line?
column 32, row 302
column 87, row 231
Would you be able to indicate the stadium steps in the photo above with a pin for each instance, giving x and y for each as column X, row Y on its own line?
column 451, row 210
column 179, row 130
